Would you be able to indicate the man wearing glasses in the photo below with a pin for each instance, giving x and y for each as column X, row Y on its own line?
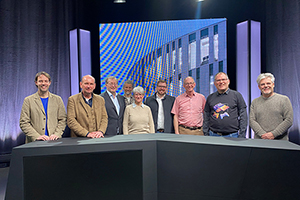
column 161, row 105
column 115, row 107
column 188, row 110
column 225, row 111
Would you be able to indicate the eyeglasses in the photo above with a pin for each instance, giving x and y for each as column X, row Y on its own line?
column 190, row 83
column 161, row 86
column 219, row 80
column 114, row 84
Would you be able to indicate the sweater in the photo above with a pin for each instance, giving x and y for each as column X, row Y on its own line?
column 137, row 120
column 273, row 114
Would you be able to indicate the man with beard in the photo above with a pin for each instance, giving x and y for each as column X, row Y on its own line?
column 271, row 114
column 161, row 105
column 128, row 87
column 43, row 115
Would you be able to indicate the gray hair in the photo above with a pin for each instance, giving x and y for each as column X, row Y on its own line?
column 129, row 82
column 221, row 73
column 138, row 89
column 265, row 75
column 111, row 78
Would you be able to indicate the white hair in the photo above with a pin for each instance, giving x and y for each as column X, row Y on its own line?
column 265, row 75
column 139, row 90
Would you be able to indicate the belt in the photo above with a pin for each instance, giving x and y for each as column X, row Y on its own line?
column 191, row 128
column 161, row 130
column 222, row 134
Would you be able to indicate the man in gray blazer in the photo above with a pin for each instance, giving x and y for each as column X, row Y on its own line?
column 115, row 107
column 43, row 115
column 161, row 105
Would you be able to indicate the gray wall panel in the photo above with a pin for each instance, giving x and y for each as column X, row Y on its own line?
column 201, row 170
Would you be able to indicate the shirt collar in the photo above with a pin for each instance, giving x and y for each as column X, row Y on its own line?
column 188, row 95
column 134, row 105
column 86, row 98
column 227, row 91
column 110, row 94
column 157, row 97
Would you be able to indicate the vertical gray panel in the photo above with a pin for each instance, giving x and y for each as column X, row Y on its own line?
column 255, row 58
column 85, row 52
column 242, row 75
column 248, row 61
column 80, row 57
column 74, row 62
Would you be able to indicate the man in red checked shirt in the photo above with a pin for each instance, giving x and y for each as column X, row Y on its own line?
column 188, row 110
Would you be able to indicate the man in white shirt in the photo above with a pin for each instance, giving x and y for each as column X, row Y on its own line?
column 161, row 105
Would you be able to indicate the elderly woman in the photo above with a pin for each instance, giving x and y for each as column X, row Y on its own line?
column 138, row 117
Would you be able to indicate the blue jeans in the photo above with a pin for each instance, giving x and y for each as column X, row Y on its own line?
column 233, row 135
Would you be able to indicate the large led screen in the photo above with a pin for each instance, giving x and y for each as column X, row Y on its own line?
column 145, row 52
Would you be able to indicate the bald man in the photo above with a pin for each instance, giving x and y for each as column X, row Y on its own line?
column 188, row 110
column 87, row 115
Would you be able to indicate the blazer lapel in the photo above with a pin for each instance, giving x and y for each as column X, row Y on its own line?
column 50, row 102
column 38, row 102
column 111, row 102
column 96, row 107
column 83, row 103
column 121, row 103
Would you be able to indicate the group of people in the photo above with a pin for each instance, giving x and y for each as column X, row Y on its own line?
column 223, row 113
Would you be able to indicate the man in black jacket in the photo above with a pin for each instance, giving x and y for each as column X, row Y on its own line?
column 161, row 105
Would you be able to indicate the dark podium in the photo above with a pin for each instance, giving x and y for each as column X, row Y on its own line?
column 155, row 167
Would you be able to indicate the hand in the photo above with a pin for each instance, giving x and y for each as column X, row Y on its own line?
column 268, row 136
column 96, row 134
column 53, row 137
column 42, row 138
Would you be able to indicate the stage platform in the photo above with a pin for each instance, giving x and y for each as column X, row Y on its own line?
column 155, row 167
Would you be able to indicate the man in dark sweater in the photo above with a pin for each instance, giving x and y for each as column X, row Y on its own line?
column 161, row 105
column 225, row 111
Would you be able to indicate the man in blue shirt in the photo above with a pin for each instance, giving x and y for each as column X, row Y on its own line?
column 43, row 115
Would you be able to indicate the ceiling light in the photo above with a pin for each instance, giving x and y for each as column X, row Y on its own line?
column 119, row 1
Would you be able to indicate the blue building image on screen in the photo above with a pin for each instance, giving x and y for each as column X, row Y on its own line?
column 145, row 52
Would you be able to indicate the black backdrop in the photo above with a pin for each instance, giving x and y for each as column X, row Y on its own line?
column 283, row 52
column 34, row 37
